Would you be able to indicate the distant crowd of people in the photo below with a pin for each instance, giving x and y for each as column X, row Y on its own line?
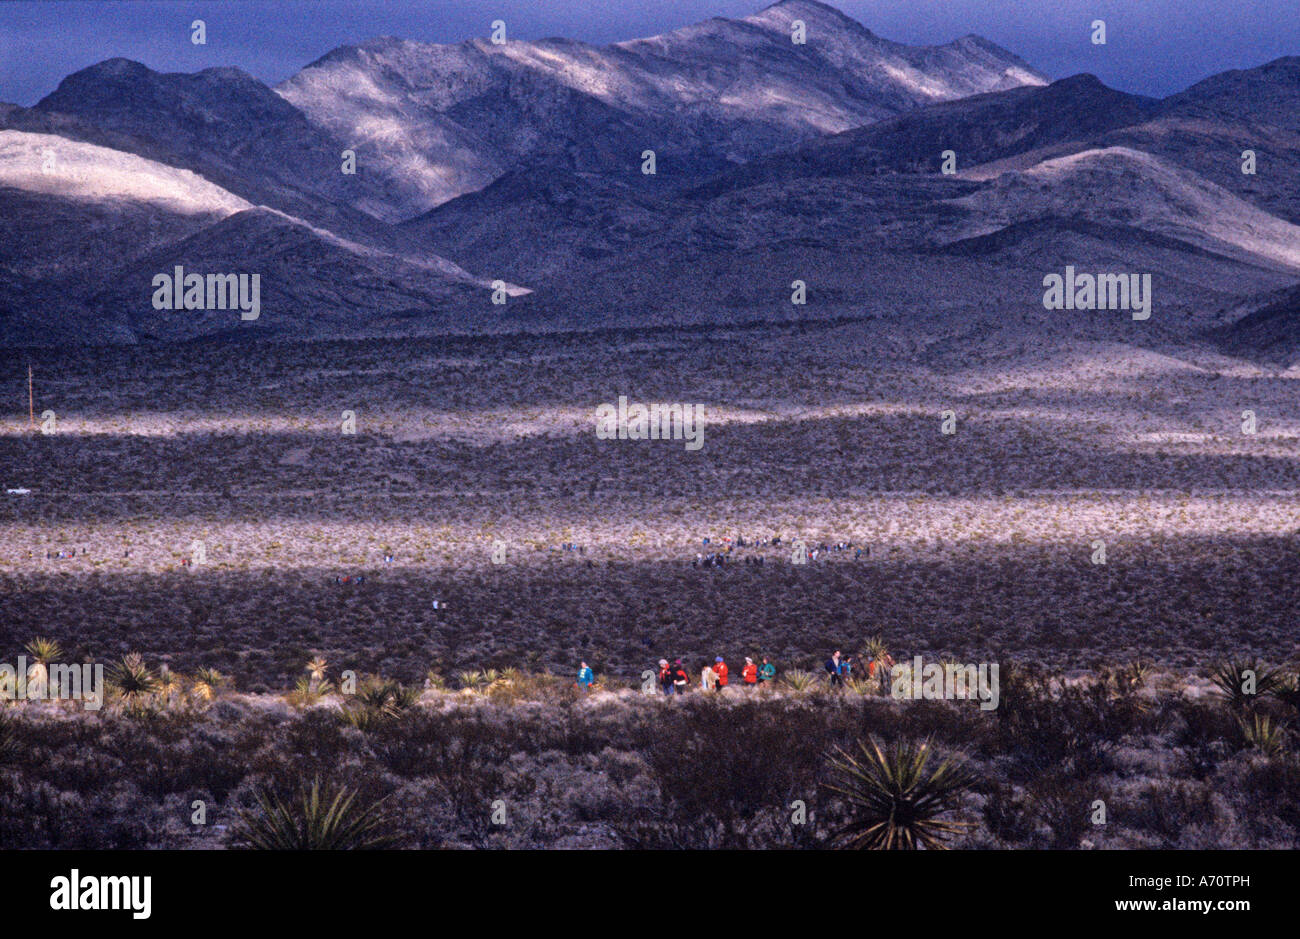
column 674, row 678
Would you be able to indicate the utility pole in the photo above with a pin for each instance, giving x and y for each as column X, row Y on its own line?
column 31, row 402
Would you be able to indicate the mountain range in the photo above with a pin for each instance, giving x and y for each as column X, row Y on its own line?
column 489, row 171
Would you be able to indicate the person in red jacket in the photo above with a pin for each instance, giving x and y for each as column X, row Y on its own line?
column 749, row 674
column 720, row 667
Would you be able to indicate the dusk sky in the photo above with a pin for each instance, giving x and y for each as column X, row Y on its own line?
column 1155, row 47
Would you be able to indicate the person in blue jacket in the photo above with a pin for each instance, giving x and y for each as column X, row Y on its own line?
column 586, row 677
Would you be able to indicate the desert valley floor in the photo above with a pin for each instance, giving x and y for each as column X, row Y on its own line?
column 981, row 543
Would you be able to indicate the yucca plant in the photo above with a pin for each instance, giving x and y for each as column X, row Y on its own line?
column 1288, row 690
column 1232, row 676
column 169, row 684
column 378, row 700
column 314, row 821
column 896, row 799
column 131, row 681
column 308, row 691
column 859, row 685
column 874, row 648
column 402, row 697
column 1261, row 733
column 800, row 680
column 1136, row 673
column 363, row 718
column 316, row 668
column 469, row 681
column 207, row 683
column 433, row 680
column 43, row 652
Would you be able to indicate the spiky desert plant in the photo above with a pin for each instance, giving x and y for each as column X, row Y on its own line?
column 316, row 668
column 490, row 677
column 207, row 683
column 469, row 681
column 1136, row 673
column 1261, row 733
column 43, row 652
column 373, row 693
column 131, row 681
column 433, row 680
column 859, row 685
column 361, row 717
column 331, row 820
column 378, row 700
column 896, row 799
column 169, row 684
column 308, row 691
column 800, row 680
column 1234, row 678
column 874, row 648
column 401, row 697
column 511, row 676
column 1288, row 690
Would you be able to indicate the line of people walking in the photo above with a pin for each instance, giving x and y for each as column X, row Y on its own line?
column 714, row 676
column 674, row 678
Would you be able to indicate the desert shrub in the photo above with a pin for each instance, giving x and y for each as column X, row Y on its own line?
column 9, row 747
column 1063, row 803
column 1044, row 723
column 799, row 680
column 38, row 815
column 726, row 773
column 462, row 755
column 319, row 818
column 1260, row 732
column 1273, row 784
column 1006, row 814
column 896, row 797
column 955, row 723
column 207, row 684
column 1287, row 691
column 1169, row 808
column 1203, row 723
column 314, row 744
column 1233, row 677
column 132, row 683
column 308, row 691
column 378, row 701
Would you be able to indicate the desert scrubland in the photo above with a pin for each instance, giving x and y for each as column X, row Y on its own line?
column 461, row 445
column 979, row 546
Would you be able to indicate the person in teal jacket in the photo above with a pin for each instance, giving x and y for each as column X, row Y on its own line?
column 766, row 671
column 586, row 677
